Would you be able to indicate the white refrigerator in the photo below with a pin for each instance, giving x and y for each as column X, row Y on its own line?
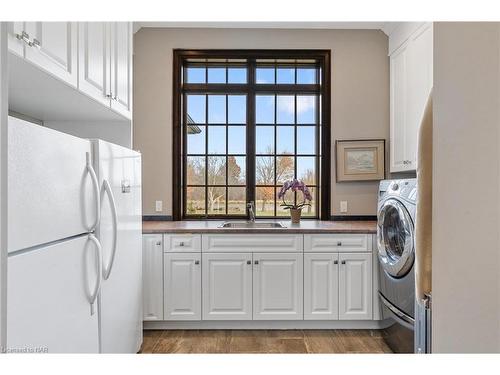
column 62, row 230
column 118, row 172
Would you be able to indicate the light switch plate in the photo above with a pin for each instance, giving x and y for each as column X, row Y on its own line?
column 343, row 206
column 159, row 206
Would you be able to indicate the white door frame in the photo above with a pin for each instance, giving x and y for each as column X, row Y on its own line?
column 3, row 184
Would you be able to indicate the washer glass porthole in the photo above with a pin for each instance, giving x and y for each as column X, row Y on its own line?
column 395, row 238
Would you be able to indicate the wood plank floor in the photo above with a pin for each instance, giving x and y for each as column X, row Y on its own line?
column 264, row 341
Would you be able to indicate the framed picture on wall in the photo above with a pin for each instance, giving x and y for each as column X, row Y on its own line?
column 360, row 160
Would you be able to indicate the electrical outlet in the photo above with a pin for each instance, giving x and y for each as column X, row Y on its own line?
column 343, row 206
column 159, row 206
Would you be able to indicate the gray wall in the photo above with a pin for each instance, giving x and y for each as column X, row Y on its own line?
column 360, row 97
column 466, row 188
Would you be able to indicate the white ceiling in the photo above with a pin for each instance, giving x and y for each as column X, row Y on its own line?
column 384, row 26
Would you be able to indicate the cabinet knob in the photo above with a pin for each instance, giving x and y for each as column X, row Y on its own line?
column 335, row 262
column 256, row 262
column 158, row 243
column 36, row 43
column 249, row 262
column 339, row 243
column 24, row 36
column 343, row 262
column 181, row 243
column 196, row 262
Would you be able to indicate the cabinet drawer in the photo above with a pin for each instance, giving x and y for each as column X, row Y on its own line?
column 337, row 242
column 239, row 243
column 182, row 243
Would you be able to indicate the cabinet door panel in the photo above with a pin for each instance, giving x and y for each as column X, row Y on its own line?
column 227, row 286
column 16, row 45
column 419, row 86
column 94, row 60
column 121, row 67
column 321, row 286
column 355, row 286
column 278, row 286
column 182, row 286
column 398, row 93
column 152, row 276
column 57, row 48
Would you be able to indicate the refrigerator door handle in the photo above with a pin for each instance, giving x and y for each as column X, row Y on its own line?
column 95, row 183
column 107, row 189
column 98, row 283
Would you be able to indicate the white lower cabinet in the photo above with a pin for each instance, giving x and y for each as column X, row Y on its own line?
column 355, row 286
column 278, row 286
column 182, row 286
column 193, row 282
column 227, row 286
column 152, row 276
column 321, row 286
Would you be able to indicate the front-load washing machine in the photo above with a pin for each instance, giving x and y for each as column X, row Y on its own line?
column 396, row 255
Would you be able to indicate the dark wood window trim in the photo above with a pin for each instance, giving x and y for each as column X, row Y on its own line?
column 324, row 59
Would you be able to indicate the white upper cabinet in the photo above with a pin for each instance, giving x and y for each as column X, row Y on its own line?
column 278, row 286
column 355, row 286
column 227, row 286
column 92, row 60
column 410, row 84
column 398, row 108
column 54, row 49
column 95, row 60
column 17, row 37
column 121, row 67
column 105, row 60
column 51, row 46
column 420, row 57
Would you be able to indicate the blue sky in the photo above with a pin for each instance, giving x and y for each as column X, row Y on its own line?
column 263, row 75
column 265, row 114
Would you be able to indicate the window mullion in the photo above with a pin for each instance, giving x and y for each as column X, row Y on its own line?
column 250, row 170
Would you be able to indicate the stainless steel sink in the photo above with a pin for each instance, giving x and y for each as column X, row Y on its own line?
column 251, row 224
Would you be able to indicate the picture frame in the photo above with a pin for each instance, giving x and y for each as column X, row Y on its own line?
column 360, row 160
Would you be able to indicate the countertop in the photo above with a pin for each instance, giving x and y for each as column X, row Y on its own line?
column 305, row 226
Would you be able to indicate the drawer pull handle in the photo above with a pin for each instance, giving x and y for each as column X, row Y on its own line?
column 158, row 243
column 335, row 262
column 196, row 262
column 343, row 262
column 339, row 243
column 249, row 262
column 256, row 262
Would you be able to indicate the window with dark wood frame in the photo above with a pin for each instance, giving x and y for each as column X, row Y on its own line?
column 244, row 122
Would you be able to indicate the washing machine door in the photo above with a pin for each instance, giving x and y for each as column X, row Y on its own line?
column 395, row 238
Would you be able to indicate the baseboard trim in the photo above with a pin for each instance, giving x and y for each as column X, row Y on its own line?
column 353, row 217
column 282, row 324
column 157, row 218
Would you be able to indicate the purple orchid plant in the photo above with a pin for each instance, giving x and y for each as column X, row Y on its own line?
column 295, row 185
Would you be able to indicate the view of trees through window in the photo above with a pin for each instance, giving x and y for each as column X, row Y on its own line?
column 249, row 126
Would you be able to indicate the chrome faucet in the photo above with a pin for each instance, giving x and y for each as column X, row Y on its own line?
column 251, row 210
